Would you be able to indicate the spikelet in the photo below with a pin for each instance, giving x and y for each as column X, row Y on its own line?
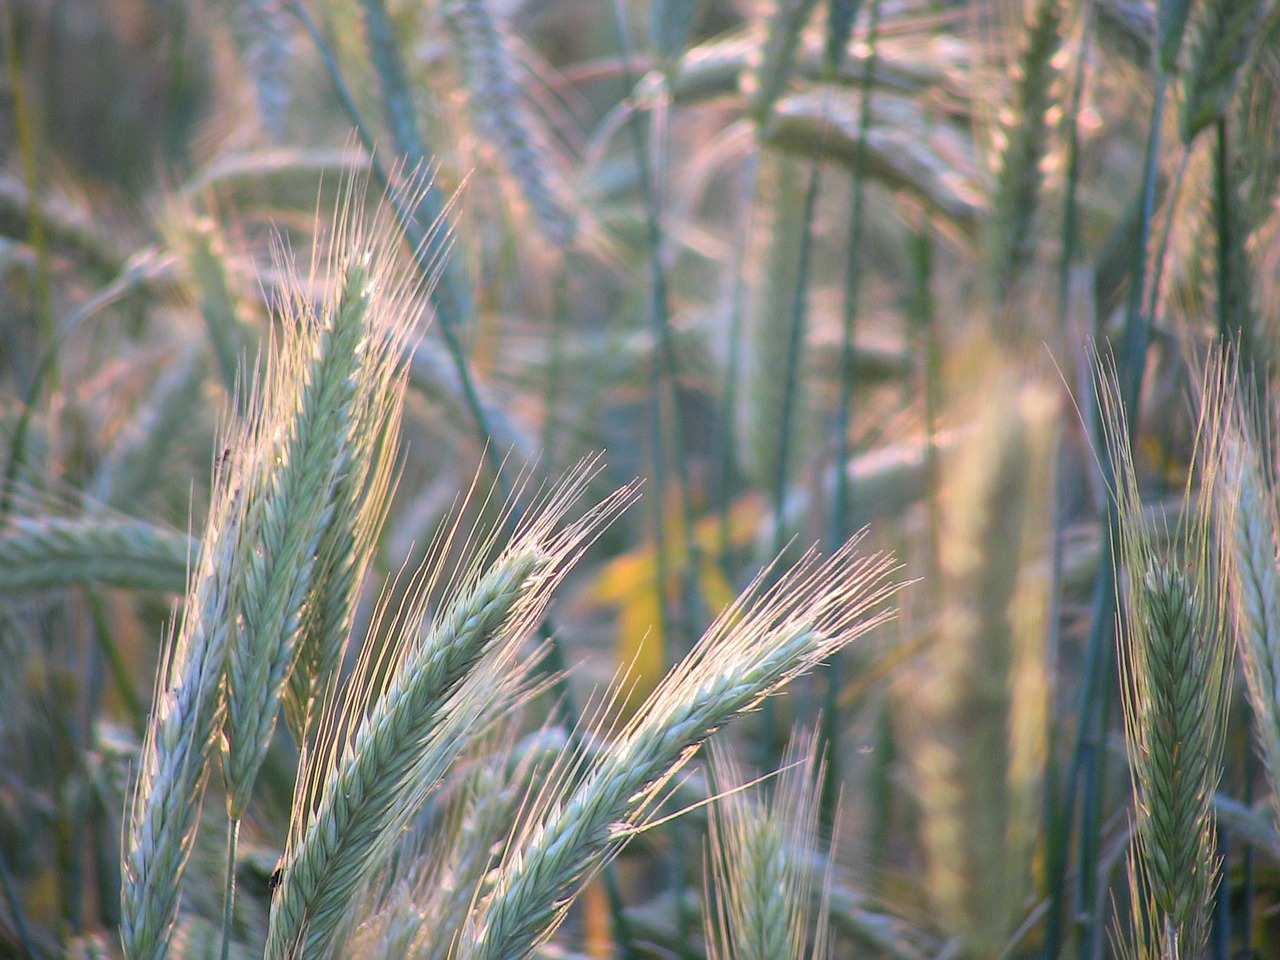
column 979, row 697
column 312, row 434
column 495, row 102
column 43, row 552
column 1175, row 667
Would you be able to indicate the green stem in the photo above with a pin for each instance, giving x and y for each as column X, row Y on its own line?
column 849, row 313
column 26, row 136
column 229, row 888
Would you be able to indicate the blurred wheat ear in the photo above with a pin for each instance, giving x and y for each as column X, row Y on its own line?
column 761, row 863
column 1254, row 530
column 979, row 705
column 1175, row 657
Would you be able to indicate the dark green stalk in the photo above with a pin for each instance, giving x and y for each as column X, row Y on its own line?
column 791, row 378
column 852, row 289
column 733, row 365
column 1058, row 813
column 451, row 295
column 1137, row 330
column 664, row 381
column 16, row 911
column 1070, row 211
column 24, row 130
column 664, row 384
column 229, row 886
column 1162, row 245
column 555, row 365
column 121, row 674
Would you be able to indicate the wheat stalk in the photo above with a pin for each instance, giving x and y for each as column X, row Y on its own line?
column 751, row 650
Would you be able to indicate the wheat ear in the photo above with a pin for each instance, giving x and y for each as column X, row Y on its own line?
column 181, row 737
column 494, row 98
column 41, row 552
column 1175, row 671
column 760, row 860
column 1221, row 43
column 291, row 505
column 358, row 796
column 753, row 649
column 1255, row 546
column 1017, row 188
column 978, row 700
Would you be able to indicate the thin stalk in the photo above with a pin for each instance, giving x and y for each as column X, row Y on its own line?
column 121, row 675
column 1227, row 330
column 1070, row 208
column 1162, row 245
column 733, row 364
column 24, row 129
column 555, row 365
column 1137, row 332
column 664, row 386
column 849, row 313
column 791, row 378
column 1057, row 832
column 229, row 887
column 16, row 911
column 1095, row 706
column 664, row 381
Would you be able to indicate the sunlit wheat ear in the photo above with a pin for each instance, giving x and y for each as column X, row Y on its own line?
column 330, row 403
column 1175, row 657
column 761, row 860
column 437, row 882
column 183, row 730
column 1254, row 530
column 764, row 640
column 975, row 716
column 383, row 755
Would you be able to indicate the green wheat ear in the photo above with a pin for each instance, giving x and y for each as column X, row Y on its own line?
column 1175, row 661
column 761, row 860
